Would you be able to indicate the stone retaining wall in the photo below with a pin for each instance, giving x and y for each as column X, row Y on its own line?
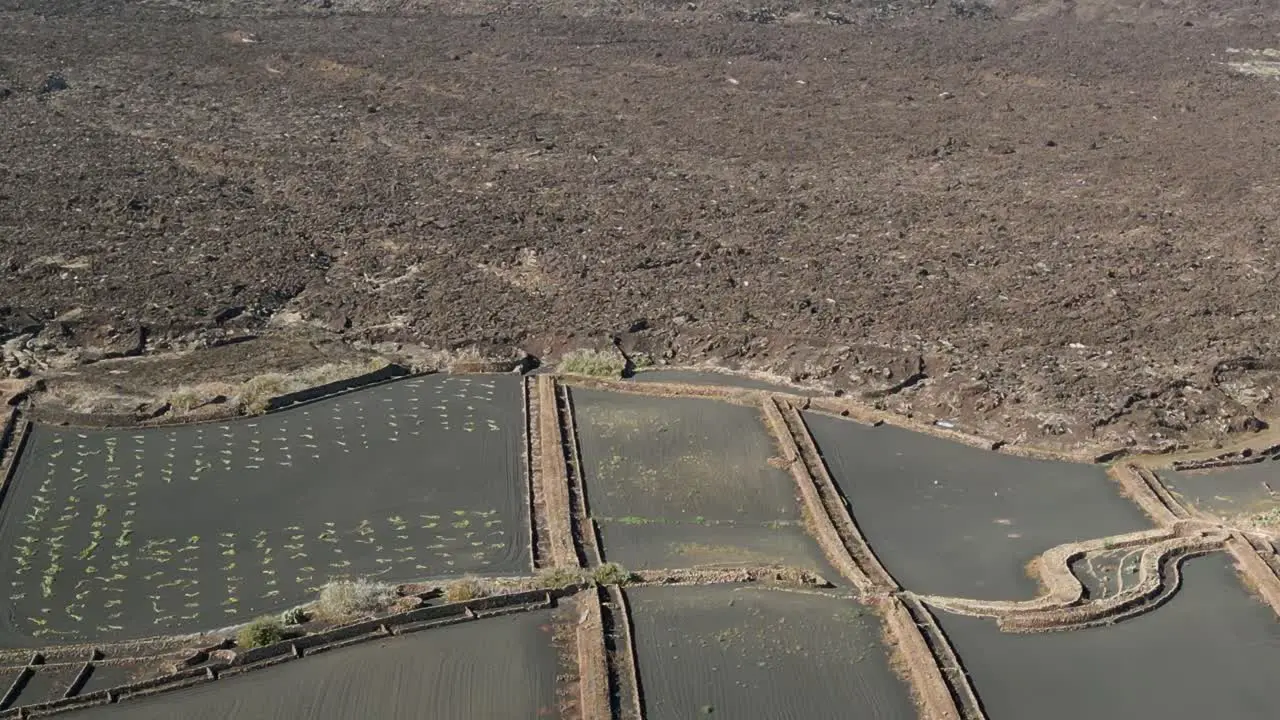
column 1247, row 456
column 338, row 387
column 18, row 434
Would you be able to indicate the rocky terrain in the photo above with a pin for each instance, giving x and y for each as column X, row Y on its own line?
column 1047, row 222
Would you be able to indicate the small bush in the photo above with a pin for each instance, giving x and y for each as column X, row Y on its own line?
column 354, row 597
column 260, row 632
column 641, row 360
column 611, row 574
column 294, row 616
column 464, row 590
column 557, row 578
column 592, row 362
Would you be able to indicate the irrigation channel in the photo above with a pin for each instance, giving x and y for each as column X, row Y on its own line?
column 788, row 554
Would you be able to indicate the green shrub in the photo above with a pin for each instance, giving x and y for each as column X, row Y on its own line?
column 611, row 573
column 556, row 578
column 260, row 632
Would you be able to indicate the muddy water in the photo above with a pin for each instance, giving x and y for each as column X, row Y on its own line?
column 757, row 654
column 949, row 519
column 1245, row 491
column 496, row 668
column 1209, row 652
column 131, row 533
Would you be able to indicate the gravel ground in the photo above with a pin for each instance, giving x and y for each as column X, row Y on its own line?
column 1050, row 223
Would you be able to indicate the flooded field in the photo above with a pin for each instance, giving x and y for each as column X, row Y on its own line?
column 689, row 482
column 756, row 654
column 128, row 533
column 949, row 519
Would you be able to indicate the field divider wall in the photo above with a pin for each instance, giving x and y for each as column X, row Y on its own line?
column 1135, row 485
column 77, row 683
column 1235, row 458
column 1167, row 499
column 1063, row 605
column 291, row 649
column 836, row 504
column 586, row 528
column 945, row 659
column 917, row 663
column 737, row 396
column 625, row 654
column 593, row 670
column 1160, row 577
column 1256, row 570
column 821, row 525
column 555, row 477
column 533, row 474
column 17, row 686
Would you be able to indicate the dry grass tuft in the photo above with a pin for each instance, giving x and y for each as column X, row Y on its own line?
column 595, row 363
column 467, row 588
column 558, row 578
column 256, row 393
column 343, row 598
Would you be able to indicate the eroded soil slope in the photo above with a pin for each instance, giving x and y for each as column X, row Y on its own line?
column 1047, row 222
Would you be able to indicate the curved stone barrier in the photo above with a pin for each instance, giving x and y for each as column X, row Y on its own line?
column 1063, row 605
column 1159, row 578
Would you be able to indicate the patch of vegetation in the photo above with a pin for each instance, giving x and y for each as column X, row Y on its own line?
column 260, row 632
column 257, row 392
column 611, row 573
column 633, row 520
column 183, row 401
column 341, row 598
column 467, row 588
column 1266, row 519
column 640, row 361
column 294, row 616
column 558, row 578
column 595, row 363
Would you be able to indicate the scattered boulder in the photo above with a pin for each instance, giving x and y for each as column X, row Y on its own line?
column 229, row 312
column 52, row 84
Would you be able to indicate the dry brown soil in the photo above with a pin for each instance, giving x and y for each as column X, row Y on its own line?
column 1050, row 222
